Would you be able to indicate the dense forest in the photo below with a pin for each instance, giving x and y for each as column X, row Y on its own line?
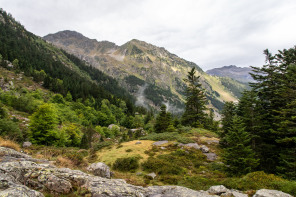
column 263, row 122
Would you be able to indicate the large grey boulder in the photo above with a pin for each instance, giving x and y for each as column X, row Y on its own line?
column 217, row 189
column 271, row 193
column 100, row 169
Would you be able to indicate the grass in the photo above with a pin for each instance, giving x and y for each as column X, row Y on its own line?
column 109, row 156
column 9, row 144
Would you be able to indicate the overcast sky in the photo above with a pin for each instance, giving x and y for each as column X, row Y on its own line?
column 211, row 33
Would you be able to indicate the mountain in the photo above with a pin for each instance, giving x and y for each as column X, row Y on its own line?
column 152, row 74
column 57, row 70
column 234, row 72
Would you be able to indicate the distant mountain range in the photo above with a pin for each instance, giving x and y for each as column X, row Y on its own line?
column 152, row 74
column 238, row 73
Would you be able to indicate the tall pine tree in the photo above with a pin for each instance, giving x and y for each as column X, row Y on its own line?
column 194, row 114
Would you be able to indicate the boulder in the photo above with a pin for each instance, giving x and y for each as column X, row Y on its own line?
column 138, row 142
column 27, row 144
column 191, row 145
column 270, row 193
column 211, row 156
column 159, row 143
column 217, row 189
column 233, row 193
column 204, row 149
column 151, row 175
column 100, row 169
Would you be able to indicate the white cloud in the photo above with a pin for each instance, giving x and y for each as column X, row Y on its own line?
column 210, row 33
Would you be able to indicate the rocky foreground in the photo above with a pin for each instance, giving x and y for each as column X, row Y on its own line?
column 22, row 175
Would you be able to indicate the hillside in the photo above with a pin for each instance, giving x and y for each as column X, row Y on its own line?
column 57, row 70
column 151, row 73
column 238, row 73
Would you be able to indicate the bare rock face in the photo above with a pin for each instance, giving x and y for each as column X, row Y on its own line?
column 270, row 193
column 100, row 169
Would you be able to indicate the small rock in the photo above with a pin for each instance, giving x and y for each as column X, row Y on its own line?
column 217, row 189
column 100, row 169
column 152, row 175
column 162, row 148
column 27, row 144
column 192, row 145
column 139, row 173
column 204, row 149
column 138, row 142
column 211, row 156
column 158, row 143
column 271, row 193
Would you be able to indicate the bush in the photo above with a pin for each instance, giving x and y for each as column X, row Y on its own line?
column 126, row 164
column 259, row 180
column 101, row 145
column 161, row 166
column 10, row 129
column 170, row 136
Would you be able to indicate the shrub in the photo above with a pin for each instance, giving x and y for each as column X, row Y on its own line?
column 161, row 166
column 128, row 150
column 10, row 129
column 101, row 145
column 126, row 164
column 170, row 136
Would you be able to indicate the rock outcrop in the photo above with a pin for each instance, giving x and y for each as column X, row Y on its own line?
column 22, row 176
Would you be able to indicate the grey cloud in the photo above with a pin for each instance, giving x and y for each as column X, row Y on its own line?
column 210, row 33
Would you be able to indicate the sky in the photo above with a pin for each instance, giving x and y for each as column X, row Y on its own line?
column 210, row 33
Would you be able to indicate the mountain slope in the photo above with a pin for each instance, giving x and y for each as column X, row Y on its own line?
column 62, row 72
column 234, row 72
column 139, row 65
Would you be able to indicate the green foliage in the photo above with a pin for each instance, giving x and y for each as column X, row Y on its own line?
column 101, row 145
column 163, row 121
column 126, row 164
column 10, row 129
column 174, row 136
column 43, row 125
column 259, row 180
column 238, row 155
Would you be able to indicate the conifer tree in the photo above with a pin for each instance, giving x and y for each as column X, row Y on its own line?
column 228, row 113
column 194, row 114
column 163, row 120
column 238, row 155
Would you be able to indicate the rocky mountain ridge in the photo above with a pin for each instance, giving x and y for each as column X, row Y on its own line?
column 20, row 176
column 137, row 65
column 241, row 74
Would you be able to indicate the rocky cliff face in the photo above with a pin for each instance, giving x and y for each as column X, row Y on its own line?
column 138, row 64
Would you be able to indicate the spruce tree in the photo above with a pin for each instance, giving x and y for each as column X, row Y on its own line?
column 163, row 120
column 195, row 106
column 238, row 155
column 228, row 113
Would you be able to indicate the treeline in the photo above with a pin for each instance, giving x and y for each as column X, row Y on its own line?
column 62, row 72
column 259, row 133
